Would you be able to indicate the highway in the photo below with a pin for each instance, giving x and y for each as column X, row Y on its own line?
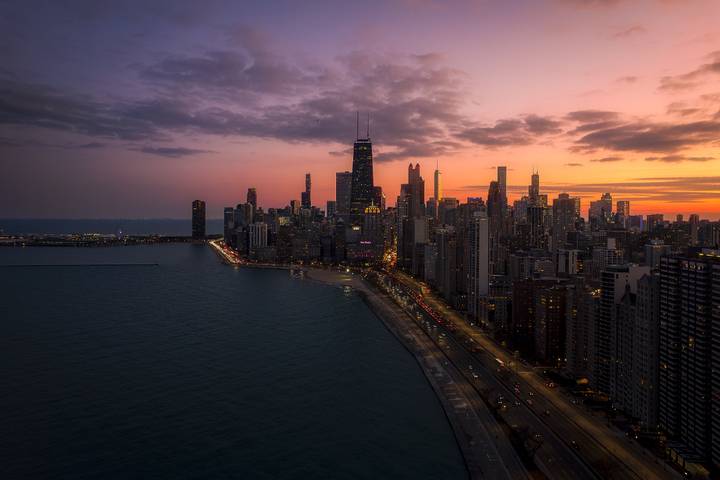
column 587, row 443
column 486, row 448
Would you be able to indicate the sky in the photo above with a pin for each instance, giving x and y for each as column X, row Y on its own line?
column 133, row 109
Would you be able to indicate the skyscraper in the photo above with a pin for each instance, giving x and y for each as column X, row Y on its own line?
column 305, row 198
column 534, row 188
column 417, row 192
column 623, row 208
column 198, row 220
column 252, row 197
column 689, row 378
column 600, row 210
column 694, row 228
column 438, row 193
column 563, row 219
column 228, row 224
column 614, row 279
column 361, row 195
column 478, row 277
column 502, row 185
column 343, row 189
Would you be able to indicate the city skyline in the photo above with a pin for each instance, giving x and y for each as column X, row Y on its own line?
column 142, row 110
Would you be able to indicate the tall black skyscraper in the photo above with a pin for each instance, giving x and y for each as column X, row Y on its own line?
column 362, row 173
column 198, row 220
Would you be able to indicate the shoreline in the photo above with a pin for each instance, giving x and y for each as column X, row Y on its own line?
column 474, row 441
column 479, row 450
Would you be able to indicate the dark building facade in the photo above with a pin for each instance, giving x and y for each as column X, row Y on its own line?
column 343, row 189
column 305, row 198
column 689, row 348
column 198, row 219
column 362, row 188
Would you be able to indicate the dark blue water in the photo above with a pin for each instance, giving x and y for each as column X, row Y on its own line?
column 193, row 369
column 163, row 226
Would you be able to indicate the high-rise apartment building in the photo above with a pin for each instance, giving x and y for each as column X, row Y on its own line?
column 478, row 274
column 613, row 281
column 305, row 198
column 343, row 192
column 502, row 186
column 438, row 191
column 623, row 208
column 563, row 219
column 198, row 219
column 689, row 378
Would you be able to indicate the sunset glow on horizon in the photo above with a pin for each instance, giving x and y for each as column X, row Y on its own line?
column 130, row 111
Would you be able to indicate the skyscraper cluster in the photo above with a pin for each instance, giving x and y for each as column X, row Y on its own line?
column 624, row 307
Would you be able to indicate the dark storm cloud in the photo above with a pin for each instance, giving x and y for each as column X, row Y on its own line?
column 690, row 80
column 172, row 152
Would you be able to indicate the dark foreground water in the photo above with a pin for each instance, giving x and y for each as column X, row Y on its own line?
column 193, row 369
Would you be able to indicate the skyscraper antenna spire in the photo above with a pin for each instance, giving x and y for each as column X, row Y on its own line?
column 368, row 126
column 357, row 124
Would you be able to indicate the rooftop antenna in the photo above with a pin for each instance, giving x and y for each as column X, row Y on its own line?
column 357, row 124
column 368, row 126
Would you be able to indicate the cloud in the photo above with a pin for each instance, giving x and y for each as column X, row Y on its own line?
column 19, row 143
column 592, row 116
column 692, row 79
column 650, row 189
column 172, row 152
column 592, row 3
column 678, row 159
column 414, row 100
column 627, row 79
column 573, row 164
column 607, row 159
column 251, row 69
column 628, row 32
column 643, row 136
column 681, row 109
column 511, row 132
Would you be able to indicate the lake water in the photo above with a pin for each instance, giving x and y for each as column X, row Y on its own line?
column 193, row 369
column 162, row 226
